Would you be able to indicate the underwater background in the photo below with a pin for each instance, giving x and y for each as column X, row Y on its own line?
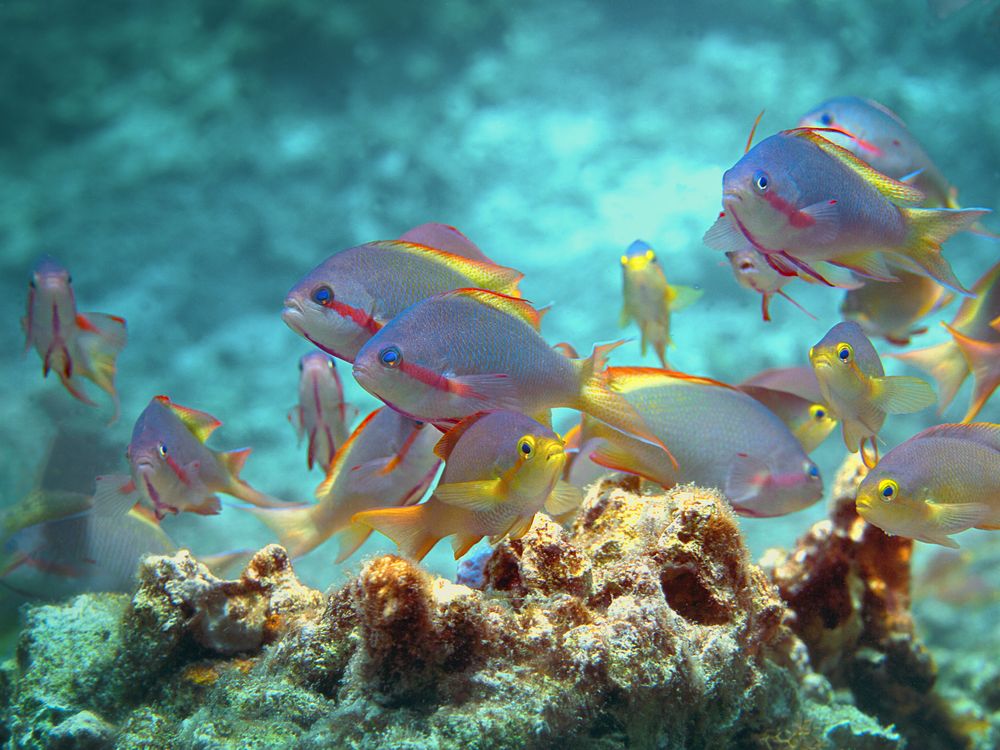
column 189, row 162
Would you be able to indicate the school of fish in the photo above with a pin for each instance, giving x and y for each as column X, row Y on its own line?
column 438, row 332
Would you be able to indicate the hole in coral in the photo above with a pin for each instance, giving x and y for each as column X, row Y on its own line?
column 689, row 598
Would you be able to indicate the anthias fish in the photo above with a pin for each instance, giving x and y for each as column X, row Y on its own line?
column 720, row 437
column 321, row 415
column 858, row 391
column 880, row 137
column 173, row 471
column 974, row 347
column 461, row 352
column 892, row 309
column 649, row 299
column 798, row 198
column 501, row 468
column 941, row 481
column 444, row 237
column 74, row 345
column 388, row 460
column 346, row 299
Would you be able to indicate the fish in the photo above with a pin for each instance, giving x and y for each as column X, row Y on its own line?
column 878, row 136
column 501, row 469
column 321, row 414
column 809, row 421
column 719, row 436
column 445, row 237
column 859, row 393
column 892, row 309
column 939, row 482
column 798, row 198
column 72, row 344
column 461, row 352
column 347, row 298
column 974, row 347
column 649, row 300
column 388, row 460
column 173, row 471
column 800, row 380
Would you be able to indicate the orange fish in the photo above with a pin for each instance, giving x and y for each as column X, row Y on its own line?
column 974, row 347
column 75, row 345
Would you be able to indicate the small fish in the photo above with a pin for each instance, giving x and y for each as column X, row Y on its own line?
column 798, row 198
column 501, row 468
column 877, row 135
column 346, row 299
column 388, row 460
column 465, row 351
column 172, row 470
column 444, row 237
column 321, row 413
column 891, row 309
column 720, row 437
column 974, row 347
column 809, row 421
column 858, row 391
column 941, row 481
column 73, row 344
column 649, row 299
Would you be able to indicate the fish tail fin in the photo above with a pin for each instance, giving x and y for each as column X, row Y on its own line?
column 408, row 527
column 928, row 229
column 945, row 363
column 983, row 358
column 296, row 528
column 102, row 340
column 350, row 540
column 598, row 398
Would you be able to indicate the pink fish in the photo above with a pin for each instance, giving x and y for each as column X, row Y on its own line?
column 321, row 414
column 388, row 460
column 173, row 470
column 974, row 347
column 798, row 199
column 446, row 238
column 75, row 345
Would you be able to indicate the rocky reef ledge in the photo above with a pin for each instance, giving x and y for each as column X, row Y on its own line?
column 643, row 625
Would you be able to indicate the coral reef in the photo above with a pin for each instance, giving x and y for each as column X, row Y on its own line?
column 847, row 584
column 643, row 625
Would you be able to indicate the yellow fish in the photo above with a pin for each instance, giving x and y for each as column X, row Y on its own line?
column 891, row 309
column 649, row 299
column 857, row 390
column 941, row 481
column 501, row 468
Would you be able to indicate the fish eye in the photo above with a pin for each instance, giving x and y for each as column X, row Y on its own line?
column 812, row 469
column 746, row 266
column 31, row 283
column 887, row 489
column 817, row 412
column 390, row 357
column 163, row 449
column 624, row 260
column 845, row 352
column 526, row 446
column 322, row 295
column 826, row 118
column 761, row 180
column 650, row 255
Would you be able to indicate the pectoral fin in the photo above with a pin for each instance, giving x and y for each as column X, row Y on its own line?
column 952, row 518
column 478, row 496
column 564, row 498
column 901, row 394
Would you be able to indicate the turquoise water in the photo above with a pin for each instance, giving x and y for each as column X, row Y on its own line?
column 189, row 164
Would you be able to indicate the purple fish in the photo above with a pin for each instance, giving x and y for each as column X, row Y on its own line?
column 321, row 414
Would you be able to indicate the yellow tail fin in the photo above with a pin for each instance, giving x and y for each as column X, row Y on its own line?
column 408, row 527
column 928, row 229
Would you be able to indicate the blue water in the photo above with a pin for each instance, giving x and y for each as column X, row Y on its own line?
column 189, row 164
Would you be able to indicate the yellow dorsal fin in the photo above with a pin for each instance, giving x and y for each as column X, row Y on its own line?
column 448, row 441
column 629, row 378
column 489, row 275
column 896, row 191
column 515, row 306
column 337, row 464
column 201, row 424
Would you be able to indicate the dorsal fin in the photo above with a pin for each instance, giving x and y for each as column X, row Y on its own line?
column 515, row 306
column 984, row 433
column 896, row 191
column 444, row 237
column 448, row 441
column 626, row 378
column 336, row 465
column 481, row 273
column 200, row 423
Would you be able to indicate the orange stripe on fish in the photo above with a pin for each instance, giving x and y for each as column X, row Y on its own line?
column 624, row 379
column 519, row 308
column 200, row 423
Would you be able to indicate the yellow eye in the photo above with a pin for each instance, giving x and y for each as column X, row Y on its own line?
column 817, row 412
column 526, row 447
column 650, row 255
column 845, row 352
column 888, row 489
column 624, row 260
column 811, row 350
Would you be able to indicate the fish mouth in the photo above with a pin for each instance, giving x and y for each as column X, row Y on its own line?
column 293, row 314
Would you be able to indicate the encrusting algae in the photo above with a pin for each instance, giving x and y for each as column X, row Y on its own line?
column 645, row 624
